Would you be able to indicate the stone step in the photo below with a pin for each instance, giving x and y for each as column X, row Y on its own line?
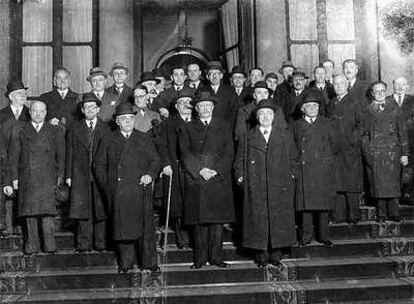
column 370, row 229
column 320, row 270
column 407, row 211
column 301, row 292
column 68, row 259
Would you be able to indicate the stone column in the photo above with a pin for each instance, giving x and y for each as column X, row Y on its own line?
column 4, row 49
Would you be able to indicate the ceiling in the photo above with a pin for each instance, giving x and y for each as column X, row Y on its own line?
column 174, row 4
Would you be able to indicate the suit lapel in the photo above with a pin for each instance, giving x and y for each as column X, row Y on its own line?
column 257, row 140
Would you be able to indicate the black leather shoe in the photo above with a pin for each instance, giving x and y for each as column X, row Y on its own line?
column 220, row 264
column 326, row 243
column 197, row 266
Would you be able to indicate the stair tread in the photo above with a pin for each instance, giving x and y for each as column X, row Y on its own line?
column 217, row 289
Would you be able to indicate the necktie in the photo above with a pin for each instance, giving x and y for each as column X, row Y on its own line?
column 206, row 123
column 399, row 100
column 311, row 120
column 349, row 87
column 126, row 135
column 118, row 90
column 91, row 125
column 99, row 95
column 266, row 135
column 16, row 114
column 320, row 88
column 37, row 128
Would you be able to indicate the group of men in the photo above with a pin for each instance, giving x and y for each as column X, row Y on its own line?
column 260, row 152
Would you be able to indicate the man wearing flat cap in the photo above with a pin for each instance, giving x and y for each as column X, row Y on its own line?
column 207, row 152
column 98, row 78
column 238, row 79
column 119, row 73
column 15, row 113
column 226, row 106
column 125, row 165
column 37, row 161
column 286, row 70
column 265, row 166
column 87, row 206
column 61, row 102
column 171, row 161
column 317, row 143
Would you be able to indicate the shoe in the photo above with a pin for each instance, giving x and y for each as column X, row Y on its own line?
column 326, row 243
column 197, row 266
column 124, row 270
column 220, row 264
column 30, row 254
column 304, row 243
column 51, row 252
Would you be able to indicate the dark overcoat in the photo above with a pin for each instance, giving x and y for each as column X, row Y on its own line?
column 81, row 147
column 107, row 109
column 268, row 172
column 168, row 149
column 207, row 202
column 346, row 117
column 359, row 92
column 61, row 108
column 317, row 146
column 119, row 165
column 127, row 94
column 245, row 96
column 384, row 141
column 282, row 90
column 37, row 160
column 290, row 105
column 227, row 105
column 8, row 121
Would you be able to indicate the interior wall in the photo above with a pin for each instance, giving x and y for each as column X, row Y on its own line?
column 161, row 28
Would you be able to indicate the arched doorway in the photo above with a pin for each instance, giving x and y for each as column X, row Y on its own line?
column 182, row 56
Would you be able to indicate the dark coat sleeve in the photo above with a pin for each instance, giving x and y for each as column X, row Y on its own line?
column 225, row 159
column 100, row 163
column 14, row 152
column 60, row 152
column 190, row 161
column 69, row 154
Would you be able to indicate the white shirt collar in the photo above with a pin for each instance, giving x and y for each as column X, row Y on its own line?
column 125, row 134
column 262, row 129
column 352, row 82
column 14, row 108
column 178, row 88
column 310, row 120
column 94, row 121
column 206, row 119
column 185, row 117
column 396, row 96
column 64, row 92
column 35, row 125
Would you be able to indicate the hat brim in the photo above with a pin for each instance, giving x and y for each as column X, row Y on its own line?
column 7, row 93
column 120, row 67
column 96, row 101
column 286, row 66
column 97, row 74
column 215, row 68
column 126, row 113
column 243, row 73
column 157, row 81
column 196, row 101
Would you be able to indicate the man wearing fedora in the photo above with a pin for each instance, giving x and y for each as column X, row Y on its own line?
column 171, row 162
column 87, row 206
column 125, row 165
column 290, row 102
column 286, row 70
column 14, row 113
column 265, row 166
column 226, row 106
column 149, row 80
column 37, row 161
column 238, row 79
column 98, row 78
column 61, row 102
column 119, row 73
column 317, row 143
column 207, row 152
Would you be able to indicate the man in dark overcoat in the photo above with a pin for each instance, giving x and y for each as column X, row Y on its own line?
column 385, row 149
column 357, row 87
column 171, row 162
column 98, row 78
column 226, row 106
column 326, row 87
column 61, row 102
column 206, row 146
column 37, row 160
column 266, row 165
column 125, row 165
column 238, row 79
column 119, row 73
column 86, row 202
column 346, row 115
column 405, row 102
column 284, row 88
column 316, row 141
column 15, row 112
column 5, row 183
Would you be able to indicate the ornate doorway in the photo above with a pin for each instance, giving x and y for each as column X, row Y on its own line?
column 182, row 56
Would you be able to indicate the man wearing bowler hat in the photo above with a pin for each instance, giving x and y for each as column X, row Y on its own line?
column 37, row 161
column 149, row 80
column 126, row 164
column 119, row 73
column 317, row 143
column 226, row 106
column 87, row 204
column 98, row 78
column 207, row 151
column 61, row 102
column 17, row 111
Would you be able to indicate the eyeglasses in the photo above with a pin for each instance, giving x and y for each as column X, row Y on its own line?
column 379, row 92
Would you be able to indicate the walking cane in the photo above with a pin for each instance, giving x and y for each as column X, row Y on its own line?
column 168, row 215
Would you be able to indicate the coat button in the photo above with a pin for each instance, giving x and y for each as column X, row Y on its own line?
column 303, row 163
column 303, row 151
column 119, row 179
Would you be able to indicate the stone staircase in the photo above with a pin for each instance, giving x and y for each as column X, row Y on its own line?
column 370, row 263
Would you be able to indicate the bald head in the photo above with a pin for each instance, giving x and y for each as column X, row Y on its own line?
column 400, row 85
